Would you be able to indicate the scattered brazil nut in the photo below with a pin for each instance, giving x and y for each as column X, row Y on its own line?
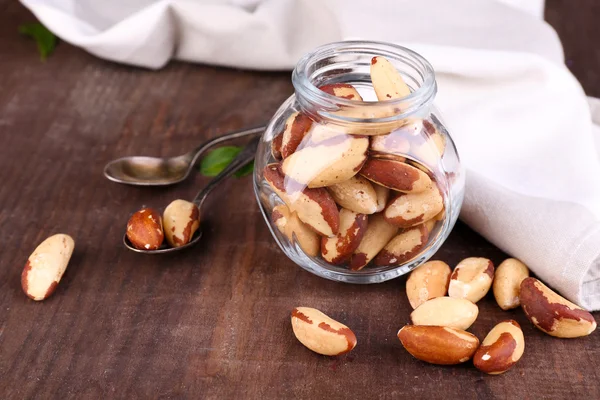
column 290, row 225
column 379, row 232
column 501, row 349
column 46, row 266
column 321, row 333
column 427, row 282
column 438, row 344
column 471, row 279
column 407, row 210
column 552, row 313
column 356, row 194
column 328, row 162
column 315, row 207
column 403, row 247
column 145, row 229
column 339, row 248
column 387, row 81
column 507, row 283
column 446, row 311
column 395, row 175
column 180, row 222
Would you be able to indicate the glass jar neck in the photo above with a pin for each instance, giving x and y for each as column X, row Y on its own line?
column 350, row 62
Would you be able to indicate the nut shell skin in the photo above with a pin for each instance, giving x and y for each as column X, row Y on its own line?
column 296, row 128
column 343, row 90
column 395, row 175
column 145, row 229
column 552, row 313
column 437, row 344
column 507, row 283
column 320, row 333
column 501, row 349
column 46, row 266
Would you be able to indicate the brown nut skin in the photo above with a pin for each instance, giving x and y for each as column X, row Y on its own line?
column 407, row 210
column 338, row 249
column 276, row 146
column 290, row 225
column 395, row 175
column 552, row 313
column 181, row 219
column 46, row 266
column 145, row 229
column 446, row 311
column 379, row 232
column 356, row 194
column 507, row 283
column 315, row 207
column 321, row 333
column 427, row 282
column 438, row 344
column 325, row 163
column 403, row 247
column 501, row 349
column 471, row 279
column 343, row 90
column 296, row 127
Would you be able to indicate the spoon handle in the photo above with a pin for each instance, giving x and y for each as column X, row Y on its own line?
column 193, row 155
column 243, row 158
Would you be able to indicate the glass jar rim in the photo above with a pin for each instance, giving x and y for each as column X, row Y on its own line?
column 419, row 97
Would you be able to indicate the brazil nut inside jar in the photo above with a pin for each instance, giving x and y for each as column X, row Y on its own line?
column 363, row 183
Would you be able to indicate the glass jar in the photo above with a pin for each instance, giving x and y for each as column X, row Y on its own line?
column 353, row 188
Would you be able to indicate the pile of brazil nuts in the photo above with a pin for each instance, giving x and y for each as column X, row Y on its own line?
column 146, row 229
column 353, row 197
column 444, row 303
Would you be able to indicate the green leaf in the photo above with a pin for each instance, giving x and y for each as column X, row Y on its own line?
column 218, row 159
column 246, row 170
column 46, row 41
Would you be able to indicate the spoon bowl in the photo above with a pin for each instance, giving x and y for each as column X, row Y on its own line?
column 164, row 248
column 240, row 161
column 157, row 171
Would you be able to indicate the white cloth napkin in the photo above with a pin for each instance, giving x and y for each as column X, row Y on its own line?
column 520, row 120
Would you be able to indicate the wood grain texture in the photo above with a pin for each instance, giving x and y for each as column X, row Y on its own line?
column 213, row 322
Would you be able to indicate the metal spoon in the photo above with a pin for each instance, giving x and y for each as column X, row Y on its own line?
column 245, row 156
column 156, row 171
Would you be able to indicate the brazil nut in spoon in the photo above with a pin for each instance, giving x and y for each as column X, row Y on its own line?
column 157, row 171
column 170, row 221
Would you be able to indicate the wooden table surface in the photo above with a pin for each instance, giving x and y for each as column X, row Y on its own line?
column 212, row 322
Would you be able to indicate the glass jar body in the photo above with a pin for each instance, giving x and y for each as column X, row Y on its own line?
column 359, row 191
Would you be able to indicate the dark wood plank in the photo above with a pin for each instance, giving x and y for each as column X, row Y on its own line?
column 212, row 322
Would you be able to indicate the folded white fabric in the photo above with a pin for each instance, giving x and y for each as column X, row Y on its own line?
column 520, row 120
